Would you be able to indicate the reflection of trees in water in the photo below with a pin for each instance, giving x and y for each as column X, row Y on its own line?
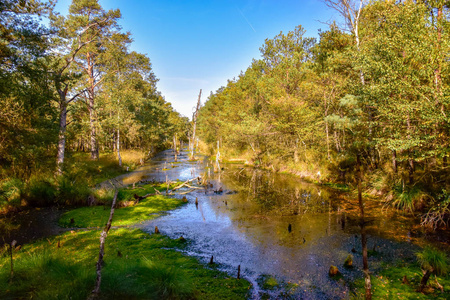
column 281, row 194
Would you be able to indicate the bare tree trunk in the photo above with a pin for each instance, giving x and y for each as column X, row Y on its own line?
column 424, row 280
column 194, row 120
column 62, row 135
column 118, row 147
column 394, row 161
column 95, row 292
column 367, row 280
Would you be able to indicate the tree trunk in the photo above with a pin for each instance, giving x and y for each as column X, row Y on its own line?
column 194, row 120
column 394, row 161
column 94, row 149
column 411, row 170
column 95, row 292
column 118, row 147
column 91, row 97
column 62, row 135
column 424, row 280
column 367, row 280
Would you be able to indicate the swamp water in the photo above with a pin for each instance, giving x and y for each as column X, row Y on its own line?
column 248, row 225
column 282, row 232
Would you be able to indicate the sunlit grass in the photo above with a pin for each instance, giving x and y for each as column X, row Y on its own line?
column 137, row 266
column 97, row 216
column 390, row 283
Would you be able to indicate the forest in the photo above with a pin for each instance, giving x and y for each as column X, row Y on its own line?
column 376, row 87
column 319, row 172
column 70, row 85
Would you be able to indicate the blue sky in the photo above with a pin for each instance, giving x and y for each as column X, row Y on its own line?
column 197, row 45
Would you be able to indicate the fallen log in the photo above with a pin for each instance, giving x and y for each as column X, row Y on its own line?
column 95, row 292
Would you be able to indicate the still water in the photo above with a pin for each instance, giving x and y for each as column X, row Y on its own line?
column 275, row 225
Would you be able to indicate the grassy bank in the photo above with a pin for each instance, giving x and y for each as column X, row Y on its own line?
column 137, row 265
column 401, row 281
column 133, row 213
column 80, row 175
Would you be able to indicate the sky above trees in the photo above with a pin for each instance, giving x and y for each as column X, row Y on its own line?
column 197, row 45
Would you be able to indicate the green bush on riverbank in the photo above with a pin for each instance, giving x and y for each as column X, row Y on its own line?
column 72, row 188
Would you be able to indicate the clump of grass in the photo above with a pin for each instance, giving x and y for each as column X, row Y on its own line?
column 407, row 198
column 72, row 191
column 11, row 190
column 268, row 282
column 432, row 261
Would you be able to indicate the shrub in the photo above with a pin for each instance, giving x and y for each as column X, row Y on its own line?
column 72, row 192
column 11, row 191
column 40, row 192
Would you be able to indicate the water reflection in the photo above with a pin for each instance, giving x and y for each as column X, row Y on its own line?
column 278, row 225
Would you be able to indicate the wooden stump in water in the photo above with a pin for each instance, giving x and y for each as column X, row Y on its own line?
column 156, row 230
column 348, row 263
column 239, row 272
column 211, row 260
column 334, row 271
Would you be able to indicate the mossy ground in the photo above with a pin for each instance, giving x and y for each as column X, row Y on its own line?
column 146, row 209
column 137, row 265
column 388, row 284
column 134, row 261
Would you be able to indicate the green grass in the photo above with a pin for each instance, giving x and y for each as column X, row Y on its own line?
column 147, row 209
column 144, row 270
column 388, row 284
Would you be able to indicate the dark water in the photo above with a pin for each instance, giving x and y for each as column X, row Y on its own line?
column 248, row 225
column 30, row 225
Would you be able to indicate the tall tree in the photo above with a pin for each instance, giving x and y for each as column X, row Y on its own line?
column 91, row 58
column 72, row 35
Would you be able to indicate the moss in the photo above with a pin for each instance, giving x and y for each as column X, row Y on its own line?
column 97, row 216
column 390, row 283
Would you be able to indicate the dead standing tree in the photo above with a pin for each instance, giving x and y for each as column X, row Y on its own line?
column 194, row 121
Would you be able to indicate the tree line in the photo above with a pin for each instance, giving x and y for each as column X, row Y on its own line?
column 376, row 87
column 71, row 83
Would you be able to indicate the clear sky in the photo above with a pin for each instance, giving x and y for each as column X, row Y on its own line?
column 197, row 45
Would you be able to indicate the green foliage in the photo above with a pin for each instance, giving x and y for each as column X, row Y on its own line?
column 41, row 192
column 433, row 260
column 407, row 197
column 11, row 191
column 381, row 92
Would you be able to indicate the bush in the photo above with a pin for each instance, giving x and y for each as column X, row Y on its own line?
column 40, row 192
column 11, row 191
column 72, row 191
